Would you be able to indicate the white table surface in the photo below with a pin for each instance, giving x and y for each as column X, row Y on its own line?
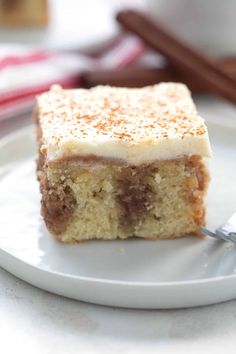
column 36, row 322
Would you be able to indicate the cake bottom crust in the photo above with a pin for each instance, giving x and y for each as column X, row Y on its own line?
column 86, row 199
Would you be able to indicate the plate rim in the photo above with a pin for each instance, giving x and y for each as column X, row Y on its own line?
column 121, row 282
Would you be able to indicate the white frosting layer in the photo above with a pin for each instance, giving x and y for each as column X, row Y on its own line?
column 136, row 125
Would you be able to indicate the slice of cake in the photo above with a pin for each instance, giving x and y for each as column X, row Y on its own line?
column 117, row 162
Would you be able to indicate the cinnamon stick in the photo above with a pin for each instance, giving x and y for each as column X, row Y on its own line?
column 139, row 77
column 179, row 54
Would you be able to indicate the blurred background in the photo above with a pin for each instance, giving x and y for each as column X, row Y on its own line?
column 78, row 43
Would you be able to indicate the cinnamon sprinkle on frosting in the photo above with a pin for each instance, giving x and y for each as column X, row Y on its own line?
column 155, row 122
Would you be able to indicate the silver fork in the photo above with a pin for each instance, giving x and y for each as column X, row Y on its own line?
column 226, row 232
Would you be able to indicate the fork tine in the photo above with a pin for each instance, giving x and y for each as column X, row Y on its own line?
column 219, row 234
column 206, row 231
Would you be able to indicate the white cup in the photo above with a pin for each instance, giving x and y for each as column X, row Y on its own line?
column 206, row 24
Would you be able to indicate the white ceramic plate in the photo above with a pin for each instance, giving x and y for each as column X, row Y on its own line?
column 134, row 273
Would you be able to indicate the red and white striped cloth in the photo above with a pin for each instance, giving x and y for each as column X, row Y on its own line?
column 26, row 72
